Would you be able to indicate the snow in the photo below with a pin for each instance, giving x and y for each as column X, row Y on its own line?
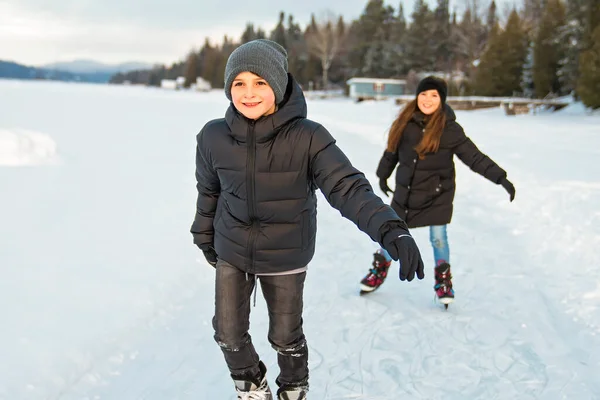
column 22, row 147
column 103, row 295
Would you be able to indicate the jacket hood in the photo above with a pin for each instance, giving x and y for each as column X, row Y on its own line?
column 293, row 106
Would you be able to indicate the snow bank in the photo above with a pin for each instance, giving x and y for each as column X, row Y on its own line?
column 22, row 147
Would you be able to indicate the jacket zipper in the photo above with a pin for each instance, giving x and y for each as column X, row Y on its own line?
column 251, row 187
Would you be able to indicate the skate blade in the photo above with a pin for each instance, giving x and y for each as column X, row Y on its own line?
column 366, row 289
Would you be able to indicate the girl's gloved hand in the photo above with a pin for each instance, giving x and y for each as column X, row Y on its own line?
column 384, row 187
column 509, row 187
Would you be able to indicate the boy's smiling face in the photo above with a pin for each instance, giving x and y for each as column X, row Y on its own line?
column 252, row 96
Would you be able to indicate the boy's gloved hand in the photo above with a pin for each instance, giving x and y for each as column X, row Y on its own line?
column 211, row 256
column 509, row 187
column 402, row 247
column 384, row 187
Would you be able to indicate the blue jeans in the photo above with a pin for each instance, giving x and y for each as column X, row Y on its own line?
column 439, row 241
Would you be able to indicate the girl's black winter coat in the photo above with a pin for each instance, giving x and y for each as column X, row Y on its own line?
column 425, row 188
column 256, row 184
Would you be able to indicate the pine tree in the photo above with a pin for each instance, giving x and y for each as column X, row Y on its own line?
column 191, row 69
column 376, row 65
column 312, row 68
column 470, row 46
column 527, row 76
column 364, row 30
column 589, row 68
column 396, row 47
column 514, row 49
column 420, row 54
column 501, row 69
column 339, row 70
column 278, row 34
column 548, row 50
column 249, row 34
column 296, row 49
column 487, row 76
column 532, row 15
column 492, row 18
column 156, row 74
column 571, row 35
column 209, row 60
column 221, row 57
column 441, row 36
column 591, row 22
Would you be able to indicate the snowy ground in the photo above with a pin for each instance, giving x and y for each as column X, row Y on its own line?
column 103, row 295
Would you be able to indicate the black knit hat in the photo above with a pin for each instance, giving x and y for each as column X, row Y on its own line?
column 262, row 57
column 433, row 83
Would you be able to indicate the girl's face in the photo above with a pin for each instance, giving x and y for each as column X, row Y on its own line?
column 429, row 101
column 252, row 96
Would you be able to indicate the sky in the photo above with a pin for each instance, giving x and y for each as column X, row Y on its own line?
column 36, row 32
column 103, row 295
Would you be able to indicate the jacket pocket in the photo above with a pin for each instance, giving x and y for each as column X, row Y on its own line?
column 436, row 186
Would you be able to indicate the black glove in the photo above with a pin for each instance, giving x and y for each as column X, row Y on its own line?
column 509, row 187
column 403, row 247
column 211, row 256
column 384, row 187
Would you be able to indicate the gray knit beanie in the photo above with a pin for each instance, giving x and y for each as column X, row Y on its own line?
column 262, row 57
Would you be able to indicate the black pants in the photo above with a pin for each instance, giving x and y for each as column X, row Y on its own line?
column 283, row 295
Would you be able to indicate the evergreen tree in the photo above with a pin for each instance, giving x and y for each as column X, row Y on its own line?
column 376, row 65
column 191, row 69
column 156, row 75
column 296, row 49
column 440, row 40
column 527, row 84
column 209, row 64
column 589, row 69
column 571, row 35
column 501, row 69
column 492, row 18
column 396, row 46
column 249, row 34
column 532, row 15
column 221, row 56
column 591, row 22
column 339, row 71
column 364, row 31
column 260, row 34
column 548, row 50
column 312, row 70
column 279, row 34
column 470, row 45
column 420, row 54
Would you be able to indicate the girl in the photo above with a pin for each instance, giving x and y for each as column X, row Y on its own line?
column 257, row 170
column 422, row 141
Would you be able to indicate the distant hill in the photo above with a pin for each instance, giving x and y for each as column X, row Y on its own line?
column 91, row 66
column 75, row 71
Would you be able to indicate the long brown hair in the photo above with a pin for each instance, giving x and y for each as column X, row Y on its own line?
column 430, row 142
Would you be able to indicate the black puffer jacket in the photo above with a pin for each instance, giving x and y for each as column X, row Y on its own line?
column 425, row 188
column 256, row 184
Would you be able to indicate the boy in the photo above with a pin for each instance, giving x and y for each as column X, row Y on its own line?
column 257, row 170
